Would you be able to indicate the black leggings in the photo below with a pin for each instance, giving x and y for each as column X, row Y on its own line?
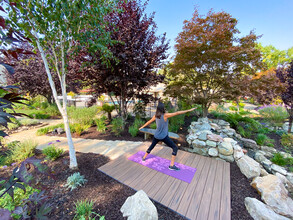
column 167, row 140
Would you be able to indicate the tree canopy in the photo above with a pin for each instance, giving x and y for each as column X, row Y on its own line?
column 137, row 51
column 211, row 60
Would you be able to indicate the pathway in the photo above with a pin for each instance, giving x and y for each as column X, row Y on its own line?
column 111, row 149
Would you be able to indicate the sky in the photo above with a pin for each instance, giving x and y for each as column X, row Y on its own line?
column 273, row 19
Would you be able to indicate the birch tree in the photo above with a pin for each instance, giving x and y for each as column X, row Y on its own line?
column 54, row 27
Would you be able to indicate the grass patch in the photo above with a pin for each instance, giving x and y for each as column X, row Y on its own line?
column 52, row 152
column 28, row 122
column 48, row 129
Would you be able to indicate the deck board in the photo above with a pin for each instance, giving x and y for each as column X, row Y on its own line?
column 206, row 197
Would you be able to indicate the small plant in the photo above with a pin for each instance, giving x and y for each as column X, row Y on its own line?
column 261, row 139
column 108, row 108
column 22, row 151
column 134, row 129
column 84, row 210
column 53, row 110
column 153, row 125
column 274, row 113
column 101, row 124
column 117, row 126
column 287, row 141
column 79, row 128
column 75, row 180
column 52, row 152
column 279, row 159
column 46, row 130
column 28, row 121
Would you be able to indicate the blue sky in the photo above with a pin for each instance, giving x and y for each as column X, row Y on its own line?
column 273, row 19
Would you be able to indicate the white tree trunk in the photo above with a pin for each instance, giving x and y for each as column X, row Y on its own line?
column 63, row 111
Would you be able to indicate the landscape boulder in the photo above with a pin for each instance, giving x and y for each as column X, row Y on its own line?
column 139, row 207
column 274, row 194
column 249, row 167
column 260, row 211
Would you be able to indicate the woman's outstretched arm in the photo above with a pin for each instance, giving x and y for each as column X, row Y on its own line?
column 149, row 122
column 169, row 115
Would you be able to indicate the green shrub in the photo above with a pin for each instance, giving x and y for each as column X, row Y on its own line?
column 233, row 108
column 79, row 128
column 108, row 109
column 75, row 180
column 53, row 110
column 28, row 121
column 117, row 126
column 84, row 210
column 52, row 152
column 287, row 142
column 6, row 201
column 22, row 151
column 176, row 122
column 101, row 125
column 274, row 113
column 84, row 116
column 262, row 139
column 38, row 115
column 174, row 127
column 153, row 125
column 48, row 129
column 279, row 159
column 134, row 129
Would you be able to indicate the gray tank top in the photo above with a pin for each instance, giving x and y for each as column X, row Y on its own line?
column 162, row 128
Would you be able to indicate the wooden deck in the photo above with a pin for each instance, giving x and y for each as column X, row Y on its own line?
column 206, row 197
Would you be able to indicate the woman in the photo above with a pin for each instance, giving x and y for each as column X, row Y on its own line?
column 161, row 133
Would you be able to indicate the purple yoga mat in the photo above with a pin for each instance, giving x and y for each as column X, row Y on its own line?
column 160, row 164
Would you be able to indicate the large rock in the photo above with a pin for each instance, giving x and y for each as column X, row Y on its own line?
column 205, row 126
column 259, row 156
column 274, row 194
column 215, row 137
column 202, row 136
column 238, row 154
column 198, row 143
column 249, row 167
column 279, row 169
column 223, row 123
column 213, row 152
column 211, row 143
column 200, row 151
column 286, row 182
column 229, row 158
column 260, row 211
column 225, row 148
column 267, row 165
column 139, row 206
column 248, row 143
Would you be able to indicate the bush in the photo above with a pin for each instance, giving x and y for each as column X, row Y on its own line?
column 52, row 152
column 79, row 128
column 28, row 121
column 108, row 108
column 134, row 129
column 153, row 125
column 261, row 139
column 53, row 110
column 84, row 116
column 274, row 113
column 46, row 130
column 117, row 126
column 38, row 115
column 176, row 122
column 287, row 141
column 22, row 151
column 84, row 210
column 75, row 180
column 6, row 201
column 279, row 159
column 101, row 124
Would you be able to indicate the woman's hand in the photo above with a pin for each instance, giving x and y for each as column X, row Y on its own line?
column 141, row 128
column 192, row 109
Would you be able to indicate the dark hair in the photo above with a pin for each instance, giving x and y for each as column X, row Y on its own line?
column 160, row 110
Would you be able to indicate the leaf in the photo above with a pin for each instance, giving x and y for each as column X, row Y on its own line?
column 2, row 9
column 2, row 22
column 20, row 186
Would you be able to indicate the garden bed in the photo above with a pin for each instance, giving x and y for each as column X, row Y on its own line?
column 109, row 195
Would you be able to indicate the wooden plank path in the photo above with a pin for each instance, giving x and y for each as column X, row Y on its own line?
column 206, row 197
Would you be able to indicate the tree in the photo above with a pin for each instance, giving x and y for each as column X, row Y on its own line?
column 53, row 27
column 272, row 57
column 29, row 72
column 264, row 86
column 137, row 51
column 211, row 60
column 285, row 74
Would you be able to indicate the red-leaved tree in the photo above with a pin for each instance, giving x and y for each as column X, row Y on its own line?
column 137, row 53
column 285, row 74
